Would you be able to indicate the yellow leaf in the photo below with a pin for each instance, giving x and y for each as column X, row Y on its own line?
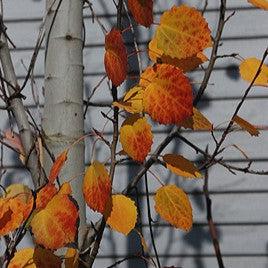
column 121, row 214
column 246, row 126
column 136, row 137
column 34, row 258
column 259, row 3
column 181, row 166
column 174, row 206
column 248, row 69
column 132, row 101
column 186, row 65
column 71, row 258
column 59, row 217
column 168, row 96
column 197, row 122
column 97, row 186
column 182, row 33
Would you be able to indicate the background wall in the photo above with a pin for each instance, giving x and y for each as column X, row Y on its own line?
column 239, row 202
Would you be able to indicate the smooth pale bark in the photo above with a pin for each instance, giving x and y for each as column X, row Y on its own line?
column 20, row 115
column 63, row 121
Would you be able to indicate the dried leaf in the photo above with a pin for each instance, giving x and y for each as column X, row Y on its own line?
column 248, row 69
column 59, row 217
column 121, row 214
column 97, row 187
column 143, row 242
column 13, row 139
column 174, row 206
column 168, row 96
column 34, row 258
column 45, row 195
column 115, row 58
column 253, row 131
column 132, row 101
column 183, row 32
column 197, row 122
column 186, row 65
column 71, row 258
column 57, row 166
column 259, row 3
column 181, row 166
column 142, row 11
column 136, row 137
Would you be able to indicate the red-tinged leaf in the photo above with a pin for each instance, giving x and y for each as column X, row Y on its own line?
column 121, row 214
column 45, row 195
column 253, row 131
column 115, row 58
column 142, row 11
column 168, row 96
column 186, row 65
column 13, row 139
column 263, row 4
column 174, row 206
column 248, row 69
column 97, row 187
column 34, row 258
column 183, row 32
column 136, row 137
column 59, row 217
column 181, row 166
column 57, row 166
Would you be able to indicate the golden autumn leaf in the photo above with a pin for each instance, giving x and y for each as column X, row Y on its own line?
column 263, row 4
column 253, row 131
column 248, row 69
column 197, row 122
column 71, row 258
column 122, row 214
column 45, row 195
column 181, row 166
column 115, row 58
column 34, row 258
column 57, row 166
column 97, row 186
column 136, row 137
column 168, row 96
column 142, row 11
column 188, row 64
column 183, row 32
column 174, row 206
column 132, row 101
column 59, row 217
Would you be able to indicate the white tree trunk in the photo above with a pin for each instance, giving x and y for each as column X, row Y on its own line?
column 63, row 121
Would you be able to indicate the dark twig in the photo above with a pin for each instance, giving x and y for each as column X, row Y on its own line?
column 212, row 227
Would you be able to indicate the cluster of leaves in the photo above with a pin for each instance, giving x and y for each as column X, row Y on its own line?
column 164, row 93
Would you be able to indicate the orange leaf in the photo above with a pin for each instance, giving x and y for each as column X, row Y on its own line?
column 115, row 58
column 182, row 33
column 59, row 217
column 259, row 3
column 168, row 96
column 57, row 166
column 142, row 11
column 181, row 166
column 34, row 258
column 253, row 131
column 97, row 186
column 132, row 101
column 122, row 214
column 197, row 122
column 248, row 69
column 136, row 137
column 187, row 64
column 71, row 258
column 45, row 195
column 174, row 206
